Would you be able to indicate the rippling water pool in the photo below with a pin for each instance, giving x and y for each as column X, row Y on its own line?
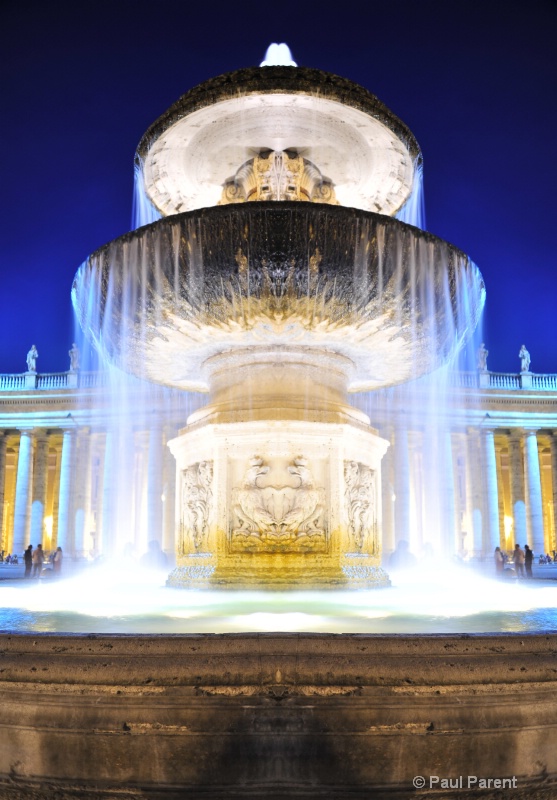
column 439, row 601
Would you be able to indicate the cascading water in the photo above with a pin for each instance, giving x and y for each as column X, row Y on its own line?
column 330, row 299
column 277, row 329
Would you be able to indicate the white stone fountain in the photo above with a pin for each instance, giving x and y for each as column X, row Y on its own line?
column 278, row 280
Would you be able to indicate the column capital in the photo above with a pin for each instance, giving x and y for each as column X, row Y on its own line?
column 69, row 430
column 472, row 430
column 27, row 432
column 488, row 431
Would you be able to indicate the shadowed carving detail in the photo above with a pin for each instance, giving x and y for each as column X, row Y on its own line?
column 278, row 176
column 278, row 516
column 360, row 505
column 197, row 495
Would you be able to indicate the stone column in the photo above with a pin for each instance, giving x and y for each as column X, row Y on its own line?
column 56, row 486
column 65, row 538
column 401, row 484
column 98, row 477
column 534, row 510
column 23, row 493
column 3, row 534
column 40, row 485
column 102, row 541
column 553, row 446
column 474, row 497
column 155, row 485
column 500, row 487
column 83, row 494
column 169, row 489
column 460, row 494
column 492, row 538
column 449, row 541
column 418, row 533
column 387, row 490
column 518, row 501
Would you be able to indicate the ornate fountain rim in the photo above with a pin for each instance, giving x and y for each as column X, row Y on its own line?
column 203, row 320
column 365, row 154
column 279, row 80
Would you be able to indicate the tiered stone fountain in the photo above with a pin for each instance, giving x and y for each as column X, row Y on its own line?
column 278, row 281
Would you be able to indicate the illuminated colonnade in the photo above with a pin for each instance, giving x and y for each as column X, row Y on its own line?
column 496, row 474
column 56, row 485
column 501, row 487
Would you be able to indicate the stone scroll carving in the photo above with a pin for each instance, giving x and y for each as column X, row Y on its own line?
column 278, row 508
column 197, row 494
column 359, row 493
column 278, row 175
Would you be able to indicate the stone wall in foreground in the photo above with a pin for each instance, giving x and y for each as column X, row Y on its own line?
column 276, row 716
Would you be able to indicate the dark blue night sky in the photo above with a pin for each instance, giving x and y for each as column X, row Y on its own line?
column 475, row 81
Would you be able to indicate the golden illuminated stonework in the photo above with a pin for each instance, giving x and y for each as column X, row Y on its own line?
column 284, row 503
column 277, row 280
column 278, row 176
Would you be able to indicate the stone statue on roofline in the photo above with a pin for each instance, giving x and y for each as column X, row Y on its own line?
column 74, row 357
column 32, row 357
column 524, row 357
column 482, row 357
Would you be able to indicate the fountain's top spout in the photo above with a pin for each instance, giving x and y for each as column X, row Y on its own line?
column 278, row 55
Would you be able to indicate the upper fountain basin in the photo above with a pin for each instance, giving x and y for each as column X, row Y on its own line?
column 394, row 301
column 359, row 146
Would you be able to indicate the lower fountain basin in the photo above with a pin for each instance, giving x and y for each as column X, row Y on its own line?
column 277, row 715
column 162, row 301
column 166, row 693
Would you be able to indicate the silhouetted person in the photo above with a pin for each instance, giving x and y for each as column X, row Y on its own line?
column 528, row 558
column 518, row 558
column 28, row 559
column 402, row 558
column 57, row 562
column 154, row 558
column 499, row 561
column 129, row 557
column 38, row 561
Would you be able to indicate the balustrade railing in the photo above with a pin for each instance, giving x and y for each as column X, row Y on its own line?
column 92, row 380
column 544, row 383
column 12, row 382
column 504, row 380
column 49, row 381
column 52, row 380
column 464, row 380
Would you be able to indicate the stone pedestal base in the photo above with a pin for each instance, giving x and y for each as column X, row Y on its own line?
column 279, row 504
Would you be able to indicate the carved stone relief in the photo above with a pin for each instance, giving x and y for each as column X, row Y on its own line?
column 359, row 493
column 278, row 508
column 278, row 175
column 196, row 497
